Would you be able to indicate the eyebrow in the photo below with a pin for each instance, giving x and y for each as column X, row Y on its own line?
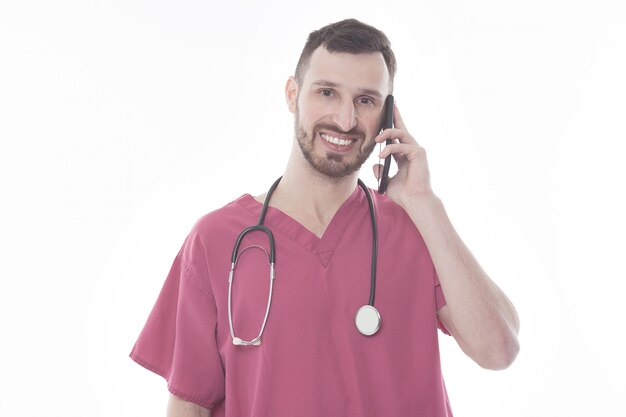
column 325, row 83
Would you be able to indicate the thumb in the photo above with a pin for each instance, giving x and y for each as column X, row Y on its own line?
column 378, row 169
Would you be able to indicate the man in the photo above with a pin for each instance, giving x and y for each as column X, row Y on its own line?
column 225, row 352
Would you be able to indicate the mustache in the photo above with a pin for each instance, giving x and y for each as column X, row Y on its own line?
column 355, row 131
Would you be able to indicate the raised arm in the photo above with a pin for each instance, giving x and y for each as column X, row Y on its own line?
column 477, row 313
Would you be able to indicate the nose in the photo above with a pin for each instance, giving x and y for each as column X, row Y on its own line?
column 345, row 116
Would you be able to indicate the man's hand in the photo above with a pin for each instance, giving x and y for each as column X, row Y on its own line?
column 412, row 181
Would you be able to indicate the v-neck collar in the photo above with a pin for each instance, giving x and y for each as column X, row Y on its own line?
column 323, row 247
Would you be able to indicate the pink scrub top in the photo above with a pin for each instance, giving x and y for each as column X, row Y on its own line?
column 312, row 360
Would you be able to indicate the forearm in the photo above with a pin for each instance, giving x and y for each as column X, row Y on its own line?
column 178, row 407
column 478, row 314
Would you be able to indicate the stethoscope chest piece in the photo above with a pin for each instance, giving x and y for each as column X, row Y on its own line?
column 367, row 320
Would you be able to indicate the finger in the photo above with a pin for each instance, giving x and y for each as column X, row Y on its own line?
column 378, row 169
column 398, row 149
column 397, row 118
column 400, row 134
column 390, row 133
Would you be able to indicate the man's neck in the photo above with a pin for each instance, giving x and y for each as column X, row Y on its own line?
column 309, row 197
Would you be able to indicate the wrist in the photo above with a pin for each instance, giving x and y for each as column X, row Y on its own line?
column 423, row 207
column 424, row 200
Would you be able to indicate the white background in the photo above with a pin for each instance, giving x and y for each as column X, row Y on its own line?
column 122, row 122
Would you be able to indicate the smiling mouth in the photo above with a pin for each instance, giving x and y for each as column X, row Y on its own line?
column 336, row 141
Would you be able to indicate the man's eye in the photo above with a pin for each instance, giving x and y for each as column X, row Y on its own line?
column 326, row 93
column 366, row 100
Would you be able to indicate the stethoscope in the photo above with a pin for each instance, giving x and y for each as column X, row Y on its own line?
column 367, row 317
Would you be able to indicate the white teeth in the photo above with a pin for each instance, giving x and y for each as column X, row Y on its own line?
column 336, row 141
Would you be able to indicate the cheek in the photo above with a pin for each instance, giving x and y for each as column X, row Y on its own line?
column 309, row 114
column 371, row 126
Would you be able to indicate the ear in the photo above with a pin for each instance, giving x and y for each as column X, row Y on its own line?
column 291, row 94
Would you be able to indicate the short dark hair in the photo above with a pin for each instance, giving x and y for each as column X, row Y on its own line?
column 350, row 36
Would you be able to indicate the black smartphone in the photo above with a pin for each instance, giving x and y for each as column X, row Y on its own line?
column 383, row 179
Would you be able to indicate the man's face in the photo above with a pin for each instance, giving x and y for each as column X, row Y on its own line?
column 338, row 109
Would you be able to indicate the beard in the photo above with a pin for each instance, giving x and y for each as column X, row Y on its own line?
column 332, row 165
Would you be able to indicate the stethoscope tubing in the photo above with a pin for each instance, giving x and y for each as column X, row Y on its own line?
column 272, row 259
column 374, row 242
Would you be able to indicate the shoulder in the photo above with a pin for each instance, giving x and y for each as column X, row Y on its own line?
column 214, row 228
column 210, row 232
column 393, row 220
column 385, row 205
column 232, row 215
column 386, row 209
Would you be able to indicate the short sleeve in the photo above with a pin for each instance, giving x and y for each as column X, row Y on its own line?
column 440, row 301
column 178, row 340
